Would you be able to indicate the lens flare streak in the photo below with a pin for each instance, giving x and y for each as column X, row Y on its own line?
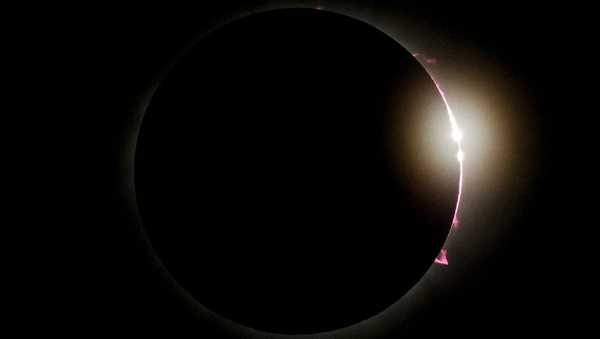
column 456, row 135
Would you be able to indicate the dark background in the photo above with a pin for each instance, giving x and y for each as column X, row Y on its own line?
column 529, row 283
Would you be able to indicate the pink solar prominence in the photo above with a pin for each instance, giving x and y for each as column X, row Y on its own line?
column 456, row 135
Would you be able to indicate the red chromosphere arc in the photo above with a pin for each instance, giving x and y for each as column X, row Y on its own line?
column 456, row 135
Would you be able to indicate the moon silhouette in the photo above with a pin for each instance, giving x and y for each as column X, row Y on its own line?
column 280, row 173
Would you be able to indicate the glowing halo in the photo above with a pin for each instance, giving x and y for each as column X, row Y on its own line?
column 456, row 135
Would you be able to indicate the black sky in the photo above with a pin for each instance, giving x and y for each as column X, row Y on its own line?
column 529, row 282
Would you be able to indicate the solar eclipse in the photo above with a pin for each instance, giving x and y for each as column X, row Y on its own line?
column 291, row 158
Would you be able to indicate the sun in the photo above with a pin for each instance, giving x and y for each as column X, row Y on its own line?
column 456, row 135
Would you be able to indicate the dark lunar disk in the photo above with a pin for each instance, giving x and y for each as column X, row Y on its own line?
column 278, row 176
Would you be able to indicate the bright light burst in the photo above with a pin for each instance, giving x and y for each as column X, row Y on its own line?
column 456, row 135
